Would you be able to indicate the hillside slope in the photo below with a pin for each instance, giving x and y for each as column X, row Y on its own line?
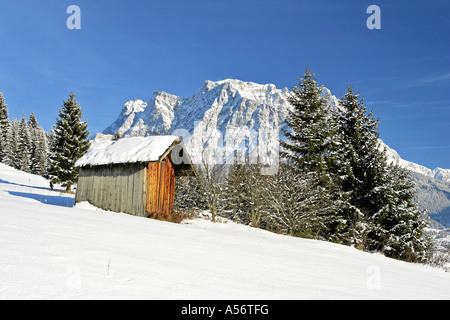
column 50, row 250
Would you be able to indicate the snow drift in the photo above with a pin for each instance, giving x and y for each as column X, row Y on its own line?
column 51, row 250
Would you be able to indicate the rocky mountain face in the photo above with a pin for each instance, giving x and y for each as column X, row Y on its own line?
column 226, row 120
column 438, row 173
column 223, row 121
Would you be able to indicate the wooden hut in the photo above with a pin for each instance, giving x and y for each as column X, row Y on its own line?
column 134, row 175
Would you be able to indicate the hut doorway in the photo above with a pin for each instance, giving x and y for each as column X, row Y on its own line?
column 160, row 189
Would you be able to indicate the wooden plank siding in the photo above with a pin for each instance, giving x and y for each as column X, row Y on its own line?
column 160, row 189
column 137, row 189
column 118, row 188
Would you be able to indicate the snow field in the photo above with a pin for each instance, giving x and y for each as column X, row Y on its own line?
column 50, row 250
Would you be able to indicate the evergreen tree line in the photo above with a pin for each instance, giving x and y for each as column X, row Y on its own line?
column 334, row 182
column 25, row 146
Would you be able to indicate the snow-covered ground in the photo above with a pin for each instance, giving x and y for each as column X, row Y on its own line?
column 51, row 250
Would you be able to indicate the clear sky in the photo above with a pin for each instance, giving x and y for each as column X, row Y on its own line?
column 128, row 49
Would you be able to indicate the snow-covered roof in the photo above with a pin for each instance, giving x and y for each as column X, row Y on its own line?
column 105, row 151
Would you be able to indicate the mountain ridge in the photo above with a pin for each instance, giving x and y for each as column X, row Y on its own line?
column 227, row 106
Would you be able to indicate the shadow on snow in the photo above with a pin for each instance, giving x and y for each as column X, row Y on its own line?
column 24, row 185
column 51, row 200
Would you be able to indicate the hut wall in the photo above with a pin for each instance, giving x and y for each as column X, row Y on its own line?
column 118, row 188
column 160, row 187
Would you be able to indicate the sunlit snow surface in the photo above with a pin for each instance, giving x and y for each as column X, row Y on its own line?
column 51, row 250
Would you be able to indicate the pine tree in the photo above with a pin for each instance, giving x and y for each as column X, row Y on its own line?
column 39, row 154
column 70, row 144
column 22, row 156
column 397, row 230
column 51, row 145
column 209, row 179
column 38, row 147
column 380, row 197
column 33, row 128
column 313, row 147
column 43, row 153
column 237, row 189
column 296, row 203
column 12, row 139
column 4, row 130
column 244, row 194
column 189, row 195
column 32, row 122
column 363, row 167
column 366, row 184
column 311, row 138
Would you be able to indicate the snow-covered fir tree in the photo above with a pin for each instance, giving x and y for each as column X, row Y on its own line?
column 385, row 216
column 189, row 195
column 363, row 168
column 33, row 128
column 39, row 154
column 51, row 143
column 4, row 130
column 43, row 153
column 295, row 203
column 244, row 194
column 22, row 155
column 33, row 122
column 209, row 177
column 12, row 139
column 312, row 146
column 397, row 230
column 311, row 137
column 70, row 144
column 38, row 147
column 237, row 190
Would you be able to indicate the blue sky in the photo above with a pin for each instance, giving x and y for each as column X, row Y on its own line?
column 129, row 49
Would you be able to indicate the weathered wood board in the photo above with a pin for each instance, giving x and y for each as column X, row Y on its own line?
column 118, row 188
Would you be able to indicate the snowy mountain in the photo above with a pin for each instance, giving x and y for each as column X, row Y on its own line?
column 227, row 119
column 222, row 118
column 438, row 173
column 433, row 195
